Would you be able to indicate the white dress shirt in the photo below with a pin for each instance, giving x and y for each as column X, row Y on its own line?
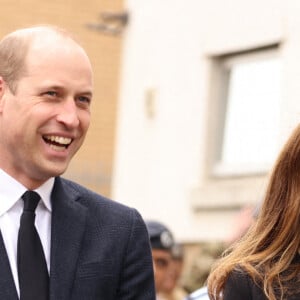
column 11, row 208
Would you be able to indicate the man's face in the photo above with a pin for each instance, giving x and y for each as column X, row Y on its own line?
column 162, row 266
column 173, row 276
column 43, row 124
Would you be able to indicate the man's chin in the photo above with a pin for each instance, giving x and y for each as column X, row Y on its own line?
column 54, row 171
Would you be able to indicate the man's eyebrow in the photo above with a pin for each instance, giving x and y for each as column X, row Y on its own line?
column 55, row 87
column 52, row 86
column 87, row 93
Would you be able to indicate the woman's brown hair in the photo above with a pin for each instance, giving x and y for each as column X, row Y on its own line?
column 267, row 251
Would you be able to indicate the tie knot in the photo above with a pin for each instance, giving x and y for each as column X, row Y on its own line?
column 31, row 200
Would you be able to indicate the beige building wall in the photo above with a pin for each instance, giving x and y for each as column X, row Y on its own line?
column 92, row 165
column 165, row 136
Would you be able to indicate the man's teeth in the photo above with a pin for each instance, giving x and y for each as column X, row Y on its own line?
column 57, row 148
column 59, row 140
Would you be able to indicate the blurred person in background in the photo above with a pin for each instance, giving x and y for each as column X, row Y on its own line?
column 162, row 243
column 200, row 270
column 196, row 273
column 172, row 289
column 265, row 264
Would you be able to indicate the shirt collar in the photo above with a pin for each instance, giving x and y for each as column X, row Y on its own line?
column 45, row 192
column 11, row 191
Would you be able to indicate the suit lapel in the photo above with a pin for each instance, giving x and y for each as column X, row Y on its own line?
column 68, row 225
column 7, row 286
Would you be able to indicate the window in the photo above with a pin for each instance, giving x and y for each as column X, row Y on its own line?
column 248, row 107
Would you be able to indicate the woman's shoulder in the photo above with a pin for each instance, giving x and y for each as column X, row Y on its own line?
column 240, row 286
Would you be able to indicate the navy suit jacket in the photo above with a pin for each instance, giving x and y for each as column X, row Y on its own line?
column 99, row 249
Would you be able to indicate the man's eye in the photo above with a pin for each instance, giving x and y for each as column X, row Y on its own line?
column 51, row 93
column 161, row 262
column 84, row 100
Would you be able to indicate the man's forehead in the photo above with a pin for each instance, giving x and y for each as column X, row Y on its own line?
column 53, row 44
column 45, row 53
column 161, row 253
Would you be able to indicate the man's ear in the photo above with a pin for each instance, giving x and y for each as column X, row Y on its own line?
column 3, row 89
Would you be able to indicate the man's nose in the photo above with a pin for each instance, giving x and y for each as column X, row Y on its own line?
column 68, row 113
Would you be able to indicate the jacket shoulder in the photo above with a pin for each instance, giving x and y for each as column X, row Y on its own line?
column 94, row 201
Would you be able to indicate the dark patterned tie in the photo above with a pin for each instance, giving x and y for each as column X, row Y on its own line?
column 32, row 266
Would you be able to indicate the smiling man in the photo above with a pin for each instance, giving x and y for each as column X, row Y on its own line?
column 80, row 245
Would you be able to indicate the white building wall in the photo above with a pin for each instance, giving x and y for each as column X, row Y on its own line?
column 162, row 118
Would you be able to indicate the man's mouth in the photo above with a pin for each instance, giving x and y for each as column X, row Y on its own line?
column 59, row 143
